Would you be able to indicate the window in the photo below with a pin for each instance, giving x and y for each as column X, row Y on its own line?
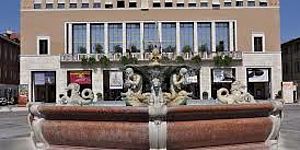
column 258, row 42
column 73, row 5
column 251, row 3
column 97, row 38
column 97, row 5
column 49, row 4
column 187, row 37
column 133, row 37
column 227, row 3
column 156, row 4
column 85, row 5
column 239, row 3
column 115, row 38
column 79, row 38
column 192, row 4
column 37, row 4
column 203, row 4
column 168, row 4
column 204, row 37
column 169, row 37
column 150, row 36
column 43, row 45
column 109, row 6
column 180, row 4
column 222, row 36
column 263, row 3
column 120, row 4
column 132, row 5
column 61, row 5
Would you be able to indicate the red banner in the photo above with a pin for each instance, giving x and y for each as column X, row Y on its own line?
column 80, row 77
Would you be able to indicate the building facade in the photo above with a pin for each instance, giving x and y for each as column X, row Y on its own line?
column 291, row 63
column 9, row 65
column 58, row 34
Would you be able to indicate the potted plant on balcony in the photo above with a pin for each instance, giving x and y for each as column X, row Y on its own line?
column 196, row 60
column 104, row 62
column 99, row 49
column 220, row 47
column 222, row 60
column 118, row 50
column 187, row 51
column 179, row 59
column 203, row 49
column 124, row 60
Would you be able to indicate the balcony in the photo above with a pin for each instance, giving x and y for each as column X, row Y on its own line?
column 205, row 56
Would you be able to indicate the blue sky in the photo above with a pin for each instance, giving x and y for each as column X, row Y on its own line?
column 290, row 18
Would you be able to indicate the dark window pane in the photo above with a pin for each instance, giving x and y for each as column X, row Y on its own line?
column 49, row 6
column 120, row 4
column 227, row 4
column 132, row 4
column 108, row 6
column 239, row 3
column 97, row 5
column 156, row 4
column 251, row 3
column 263, row 4
column 43, row 44
column 61, row 5
column 37, row 6
column 180, row 4
column 258, row 44
column 168, row 4
column 85, row 5
column 73, row 5
column 204, row 4
column 192, row 5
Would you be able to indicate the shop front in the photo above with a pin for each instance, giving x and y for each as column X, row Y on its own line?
column 81, row 77
column 44, row 86
column 113, row 81
column 258, row 82
column 221, row 78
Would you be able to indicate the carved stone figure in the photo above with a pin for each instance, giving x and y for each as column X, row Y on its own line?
column 238, row 94
column 85, row 98
column 155, row 56
column 177, row 96
column 133, row 83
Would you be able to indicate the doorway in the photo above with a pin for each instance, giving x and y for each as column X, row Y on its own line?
column 44, row 86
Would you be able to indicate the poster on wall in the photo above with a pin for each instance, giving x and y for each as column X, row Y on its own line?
column 81, row 77
column 39, row 79
column 223, row 75
column 116, row 80
column 258, row 75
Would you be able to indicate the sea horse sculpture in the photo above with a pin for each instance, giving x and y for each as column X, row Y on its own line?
column 238, row 94
column 86, row 97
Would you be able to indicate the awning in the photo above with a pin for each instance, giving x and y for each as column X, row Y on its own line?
column 132, row 1
column 85, row 1
column 108, row 2
column 192, row 1
column 97, row 1
column 73, row 1
column 264, row 1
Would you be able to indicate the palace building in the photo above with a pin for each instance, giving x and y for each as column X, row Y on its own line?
column 65, row 41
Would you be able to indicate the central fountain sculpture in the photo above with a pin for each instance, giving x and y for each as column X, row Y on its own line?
column 156, row 116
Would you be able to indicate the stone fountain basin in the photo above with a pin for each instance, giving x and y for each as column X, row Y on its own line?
column 187, row 127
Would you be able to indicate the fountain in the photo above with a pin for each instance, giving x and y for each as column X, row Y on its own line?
column 156, row 116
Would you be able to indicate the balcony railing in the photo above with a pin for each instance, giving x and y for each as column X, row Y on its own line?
column 235, row 55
